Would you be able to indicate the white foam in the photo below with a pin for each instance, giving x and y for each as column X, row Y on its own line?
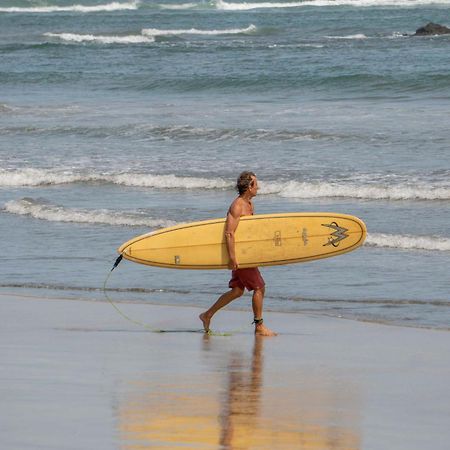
column 167, row 181
column 4, row 108
column 295, row 189
column 42, row 210
column 157, row 32
column 228, row 6
column 130, row 39
column 54, row 213
column 181, row 6
column 296, row 46
column 42, row 177
column 147, row 35
column 408, row 242
column 114, row 6
column 364, row 190
column 350, row 36
column 37, row 177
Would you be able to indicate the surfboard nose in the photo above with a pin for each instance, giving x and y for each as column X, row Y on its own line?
column 124, row 249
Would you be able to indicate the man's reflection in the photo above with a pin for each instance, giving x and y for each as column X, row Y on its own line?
column 233, row 402
column 242, row 397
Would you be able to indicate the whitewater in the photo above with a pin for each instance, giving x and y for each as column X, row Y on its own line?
column 40, row 209
column 366, row 189
column 79, row 8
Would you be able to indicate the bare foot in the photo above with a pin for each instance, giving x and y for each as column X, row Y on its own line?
column 205, row 319
column 262, row 330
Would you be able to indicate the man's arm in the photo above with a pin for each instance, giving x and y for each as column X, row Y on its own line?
column 233, row 217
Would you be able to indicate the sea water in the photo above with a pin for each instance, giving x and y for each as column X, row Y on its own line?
column 121, row 117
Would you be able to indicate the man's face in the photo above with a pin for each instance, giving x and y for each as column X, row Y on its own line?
column 253, row 189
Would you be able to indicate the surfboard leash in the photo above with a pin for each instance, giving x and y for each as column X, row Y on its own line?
column 142, row 324
column 126, row 317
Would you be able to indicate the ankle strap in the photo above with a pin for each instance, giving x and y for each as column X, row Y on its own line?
column 257, row 321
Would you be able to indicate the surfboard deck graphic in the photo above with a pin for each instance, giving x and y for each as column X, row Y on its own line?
column 261, row 240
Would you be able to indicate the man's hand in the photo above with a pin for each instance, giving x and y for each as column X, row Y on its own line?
column 233, row 264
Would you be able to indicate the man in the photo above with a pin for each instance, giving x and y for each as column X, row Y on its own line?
column 250, row 279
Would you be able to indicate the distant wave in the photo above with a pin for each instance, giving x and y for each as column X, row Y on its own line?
column 364, row 190
column 350, row 36
column 245, row 6
column 195, row 31
column 113, row 6
column 175, row 132
column 408, row 242
column 180, row 6
column 39, row 209
column 147, row 35
column 220, row 4
column 130, row 39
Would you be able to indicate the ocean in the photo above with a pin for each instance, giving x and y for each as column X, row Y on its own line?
column 121, row 117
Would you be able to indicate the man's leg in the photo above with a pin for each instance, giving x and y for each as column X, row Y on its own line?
column 223, row 300
column 257, row 305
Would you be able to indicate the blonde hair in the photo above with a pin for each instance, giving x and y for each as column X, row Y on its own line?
column 244, row 181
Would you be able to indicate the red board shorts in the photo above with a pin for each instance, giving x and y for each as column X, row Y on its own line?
column 247, row 278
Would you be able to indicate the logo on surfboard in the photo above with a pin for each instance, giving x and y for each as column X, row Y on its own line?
column 337, row 236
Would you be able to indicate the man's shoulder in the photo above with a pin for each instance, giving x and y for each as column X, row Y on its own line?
column 240, row 208
column 236, row 207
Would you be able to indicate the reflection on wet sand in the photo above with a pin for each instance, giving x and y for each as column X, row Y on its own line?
column 229, row 408
column 241, row 399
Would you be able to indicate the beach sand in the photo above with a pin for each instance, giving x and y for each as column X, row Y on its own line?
column 76, row 375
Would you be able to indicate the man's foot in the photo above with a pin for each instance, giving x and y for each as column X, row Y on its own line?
column 205, row 319
column 262, row 330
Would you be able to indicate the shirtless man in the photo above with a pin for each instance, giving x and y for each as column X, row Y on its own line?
column 251, row 279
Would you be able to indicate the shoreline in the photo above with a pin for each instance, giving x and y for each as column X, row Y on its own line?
column 267, row 309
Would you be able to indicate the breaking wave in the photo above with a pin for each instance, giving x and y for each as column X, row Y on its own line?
column 113, row 6
column 132, row 5
column 244, row 6
column 295, row 189
column 39, row 209
column 364, row 190
column 147, row 35
column 180, row 6
column 130, row 39
column 37, row 177
column 157, row 32
column 42, row 177
column 350, row 36
column 408, row 242
column 176, row 132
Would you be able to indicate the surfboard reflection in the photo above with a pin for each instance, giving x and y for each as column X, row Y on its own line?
column 229, row 408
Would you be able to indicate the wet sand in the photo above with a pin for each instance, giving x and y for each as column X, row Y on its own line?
column 76, row 375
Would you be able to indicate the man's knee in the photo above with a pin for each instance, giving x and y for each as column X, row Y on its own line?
column 237, row 291
column 260, row 291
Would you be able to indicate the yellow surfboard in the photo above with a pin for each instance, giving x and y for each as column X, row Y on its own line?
column 261, row 240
